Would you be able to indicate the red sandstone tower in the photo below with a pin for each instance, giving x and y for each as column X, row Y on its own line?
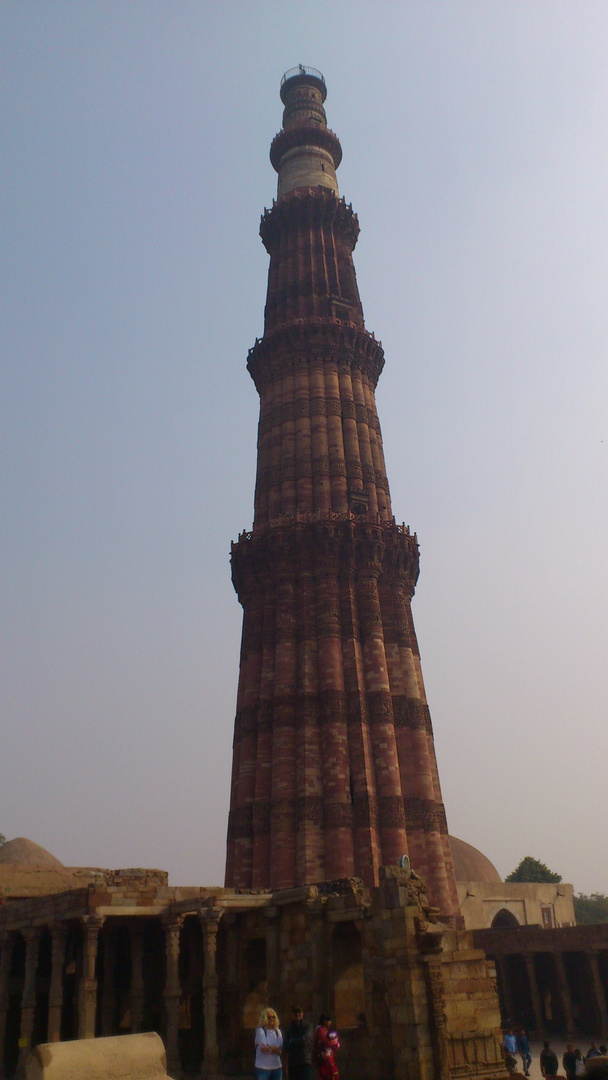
column 334, row 769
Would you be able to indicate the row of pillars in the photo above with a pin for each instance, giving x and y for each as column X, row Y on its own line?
column 87, row 989
column 565, row 996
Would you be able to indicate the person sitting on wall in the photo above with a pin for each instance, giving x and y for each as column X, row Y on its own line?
column 592, row 1052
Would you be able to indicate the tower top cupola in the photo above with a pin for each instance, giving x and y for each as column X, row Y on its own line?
column 305, row 153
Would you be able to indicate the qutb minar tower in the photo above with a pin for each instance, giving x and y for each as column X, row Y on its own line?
column 334, row 770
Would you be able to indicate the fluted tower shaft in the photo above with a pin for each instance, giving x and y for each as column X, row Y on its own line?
column 334, row 768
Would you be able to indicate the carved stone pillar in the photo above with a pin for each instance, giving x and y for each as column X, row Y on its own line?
column 534, row 994
column 87, row 990
column 28, row 1000
column 59, row 935
column 211, row 920
column 172, row 926
column 599, row 994
column 6, row 955
column 564, row 993
column 137, row 978
column 504, row 989
column 108, row 990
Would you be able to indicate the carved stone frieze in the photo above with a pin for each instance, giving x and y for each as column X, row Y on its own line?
column 337, row 467
column 391, row 813
column 320, row 466
column 337, row 815
column 425, row 815
column 365, row 809
column 283, row 812
column 380, row 707
column 354, row 469
column 309, row 810
column 332, row 706
column 412, row 713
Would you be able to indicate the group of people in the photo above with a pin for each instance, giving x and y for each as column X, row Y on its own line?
column 574, row 1063
column 303, row 1047
column 516, row 1042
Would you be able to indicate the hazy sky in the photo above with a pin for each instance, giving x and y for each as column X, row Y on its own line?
column 135, row 145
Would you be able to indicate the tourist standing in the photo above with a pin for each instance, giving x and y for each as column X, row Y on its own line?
column 510, row 1042
column 268, row 1046
column 299, row 1039
column 548, row 1060
column 326, row 1044
column 569, row 1062
column 523, row 1046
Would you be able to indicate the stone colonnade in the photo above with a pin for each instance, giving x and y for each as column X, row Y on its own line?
column 411, row 999
column 556, row 981
column 96, row 1003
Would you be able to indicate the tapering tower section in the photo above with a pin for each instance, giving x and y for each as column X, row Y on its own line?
column 334, row 768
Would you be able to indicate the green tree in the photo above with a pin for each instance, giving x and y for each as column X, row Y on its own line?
column 532, row 870
column 591, row 909
column 2, row 839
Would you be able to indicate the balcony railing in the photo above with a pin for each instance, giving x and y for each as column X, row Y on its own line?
column 302, row 69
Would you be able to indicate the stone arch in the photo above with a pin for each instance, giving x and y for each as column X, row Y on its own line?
column 504, row 919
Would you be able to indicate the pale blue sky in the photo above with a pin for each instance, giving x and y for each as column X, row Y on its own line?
column 135, row 146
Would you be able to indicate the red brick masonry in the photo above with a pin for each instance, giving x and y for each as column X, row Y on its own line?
column 334, row 768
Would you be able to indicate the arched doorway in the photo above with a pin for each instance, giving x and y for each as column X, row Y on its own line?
column 504, row 919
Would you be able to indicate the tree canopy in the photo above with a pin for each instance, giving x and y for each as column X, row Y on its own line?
column 591, row 909
column 2, row 839
column 532, row 870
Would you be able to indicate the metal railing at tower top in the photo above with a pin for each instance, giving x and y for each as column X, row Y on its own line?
column 302, row 69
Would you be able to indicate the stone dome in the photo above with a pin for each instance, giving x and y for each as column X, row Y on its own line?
column 470, row 864
column 24, row 852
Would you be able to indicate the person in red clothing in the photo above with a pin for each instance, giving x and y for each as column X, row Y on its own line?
column 326, row 1043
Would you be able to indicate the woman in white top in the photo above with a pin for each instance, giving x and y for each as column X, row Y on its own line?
column 268, row 1046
